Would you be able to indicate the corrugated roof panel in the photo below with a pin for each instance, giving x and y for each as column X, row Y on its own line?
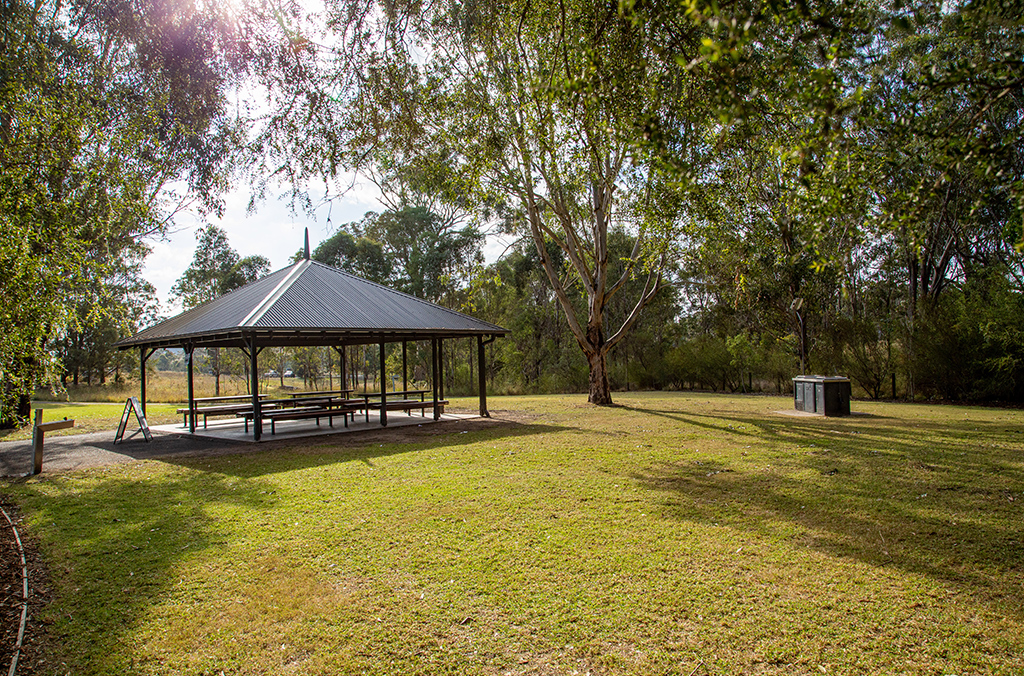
column 312, row 296
column 223, row 313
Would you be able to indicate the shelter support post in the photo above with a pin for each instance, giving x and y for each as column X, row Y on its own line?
column 342, row 373
column 405, row 371
column 254, row 374
column 433, row 375
column 190, row 350
column 144, row 355
column 481, row 364
column 383, row 387
column 440, row 368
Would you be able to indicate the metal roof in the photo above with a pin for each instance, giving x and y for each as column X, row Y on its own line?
column 310, row 303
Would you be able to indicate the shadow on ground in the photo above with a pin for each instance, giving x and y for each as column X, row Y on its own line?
column 942, row 500
column 122, row 536
column 84, row 451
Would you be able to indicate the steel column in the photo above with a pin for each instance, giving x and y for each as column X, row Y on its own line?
column 254, row 374
column 482, row 378
column 383, row 387
column 142, row 378
column 433, row 375
column 190, row 350
column 440, row 367
column 405, row 385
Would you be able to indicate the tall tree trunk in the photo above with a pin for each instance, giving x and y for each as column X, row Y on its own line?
column 597, row 360
column 600, row 393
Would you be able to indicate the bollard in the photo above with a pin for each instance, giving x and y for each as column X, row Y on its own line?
column 37, row 443
column 38, row 432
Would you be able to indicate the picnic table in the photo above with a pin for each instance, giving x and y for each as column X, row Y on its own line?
column 213, row 406
column 327, row 393
column 403, row 402
column 302, row 408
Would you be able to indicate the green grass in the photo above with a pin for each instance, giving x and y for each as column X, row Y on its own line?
column 674, row 534
column 90, row 417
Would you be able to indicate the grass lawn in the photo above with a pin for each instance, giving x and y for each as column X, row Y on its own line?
column 673, row 534
column 91, row 417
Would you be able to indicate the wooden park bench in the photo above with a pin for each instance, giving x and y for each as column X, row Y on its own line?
column 215, row 406
column 410, row 405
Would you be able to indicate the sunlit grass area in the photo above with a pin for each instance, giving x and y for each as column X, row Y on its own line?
column 90, row 417
column 172, row 387
column 674, row 533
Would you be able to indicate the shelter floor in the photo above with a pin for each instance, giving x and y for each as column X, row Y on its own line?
column 233, row 429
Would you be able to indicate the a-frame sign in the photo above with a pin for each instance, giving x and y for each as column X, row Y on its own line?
column 130, row 406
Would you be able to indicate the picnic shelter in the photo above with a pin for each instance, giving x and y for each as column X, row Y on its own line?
column 312, row 304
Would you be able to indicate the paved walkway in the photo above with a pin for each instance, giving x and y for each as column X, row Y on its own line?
column 81, row 451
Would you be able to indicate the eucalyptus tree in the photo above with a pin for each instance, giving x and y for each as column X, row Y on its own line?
column 216, row 269
column 473, row 96
column 354, row 253
column 113, row 116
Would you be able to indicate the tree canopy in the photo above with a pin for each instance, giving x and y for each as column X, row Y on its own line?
column 113, row 116
column 728, row 186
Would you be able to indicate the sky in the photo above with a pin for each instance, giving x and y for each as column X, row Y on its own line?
column 271, row 230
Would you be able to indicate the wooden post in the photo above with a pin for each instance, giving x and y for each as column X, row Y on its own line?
column 37, row 443
column 39, row 431
column 383, row 387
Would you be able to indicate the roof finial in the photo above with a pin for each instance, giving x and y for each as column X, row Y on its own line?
column 307, row 244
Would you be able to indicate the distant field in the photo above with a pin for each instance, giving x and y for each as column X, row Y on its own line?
column 98, row 408
column 90, row 417
column 172, row 387
column 672, row 534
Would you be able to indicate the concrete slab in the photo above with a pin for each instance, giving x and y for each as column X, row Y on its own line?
column 233, row 429
column 82, row 451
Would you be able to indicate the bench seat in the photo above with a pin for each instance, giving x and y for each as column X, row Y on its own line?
column 338, row 408
column 409, row 405
column 221, row 409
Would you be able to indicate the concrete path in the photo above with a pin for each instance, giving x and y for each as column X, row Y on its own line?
column 80, row 451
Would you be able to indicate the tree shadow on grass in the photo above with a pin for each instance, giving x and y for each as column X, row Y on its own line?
column 115, row 537
column 938, row 499
column 113, row 543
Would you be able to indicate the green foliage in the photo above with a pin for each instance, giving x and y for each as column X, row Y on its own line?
column 356, row 254
column 216, row 269
column 102, row 107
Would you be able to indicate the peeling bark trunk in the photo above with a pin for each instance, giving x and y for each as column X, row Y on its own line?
column 600, row 393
